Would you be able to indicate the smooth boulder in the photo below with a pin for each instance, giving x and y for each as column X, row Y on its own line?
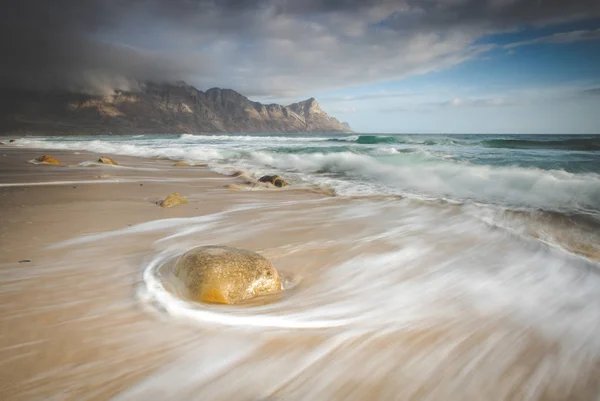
column 107, row 160
column 47, row 159
column 174, row 199
column 274, row 179
column 225, row 275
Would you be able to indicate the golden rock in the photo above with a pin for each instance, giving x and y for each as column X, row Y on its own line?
column 174, row 199
column 47, row 159
column 107, row 160
column 275, row 180
column 225, row 275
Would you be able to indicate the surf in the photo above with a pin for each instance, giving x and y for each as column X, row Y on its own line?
column 458, row 168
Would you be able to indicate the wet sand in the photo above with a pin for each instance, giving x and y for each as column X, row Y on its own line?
column 54, row 311
column 370, row 314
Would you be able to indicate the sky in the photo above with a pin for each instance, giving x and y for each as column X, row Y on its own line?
column 410, row 66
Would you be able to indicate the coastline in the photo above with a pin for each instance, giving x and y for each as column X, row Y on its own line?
column 80, row 322
column 48, row 205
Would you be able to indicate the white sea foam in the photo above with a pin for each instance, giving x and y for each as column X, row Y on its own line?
column 431, row 266
column 250, row 138
column 387, row 151
column 421, row 173
column 130, row 149
column 513, row 186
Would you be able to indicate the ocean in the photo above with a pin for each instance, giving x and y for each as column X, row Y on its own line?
column 445, row 267
column 559, row 173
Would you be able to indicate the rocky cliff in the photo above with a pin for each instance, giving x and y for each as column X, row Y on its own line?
column 157, row 108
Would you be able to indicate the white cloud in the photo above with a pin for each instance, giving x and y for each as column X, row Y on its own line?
column 519, row 97
column 562, row 37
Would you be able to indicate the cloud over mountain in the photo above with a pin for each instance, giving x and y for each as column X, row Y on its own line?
column 259, row 47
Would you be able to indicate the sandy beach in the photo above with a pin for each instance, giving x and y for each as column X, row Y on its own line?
column 366, row 314
column 57, row 311
column 324, row 200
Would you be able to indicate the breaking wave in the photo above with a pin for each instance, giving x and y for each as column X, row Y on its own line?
column 511, row 186
column 418, row 170
column 248, row 138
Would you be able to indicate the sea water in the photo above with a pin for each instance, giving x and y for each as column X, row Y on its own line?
column 548, row 172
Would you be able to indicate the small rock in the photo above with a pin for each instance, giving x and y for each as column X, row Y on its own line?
column 173, row 200
column 275, row 180
column 47, row 159
column 11, row 141
column 25, row 261
column 240, row 173
column 107, row 160
column 181, row 163
column 224, row 275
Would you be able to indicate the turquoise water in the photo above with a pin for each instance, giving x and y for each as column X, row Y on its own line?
column 542, row 172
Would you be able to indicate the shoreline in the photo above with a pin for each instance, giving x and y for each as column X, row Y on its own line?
column 137, row 184
column 377, row 284
column 38, row 213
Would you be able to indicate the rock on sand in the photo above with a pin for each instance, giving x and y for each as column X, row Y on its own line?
column 107, row 160
column 174, row 199
column 224, row 275
column 47, row 159
column 275, row 180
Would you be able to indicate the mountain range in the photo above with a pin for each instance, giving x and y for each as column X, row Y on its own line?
column 156, row 108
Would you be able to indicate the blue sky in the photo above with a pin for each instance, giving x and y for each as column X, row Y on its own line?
column 547, row 87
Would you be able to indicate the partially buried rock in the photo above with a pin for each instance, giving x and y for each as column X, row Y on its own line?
column 224, row 275
column 173, row 200
column 274, row 179
column 47, row 159
column 107, row 160
column 186, row 164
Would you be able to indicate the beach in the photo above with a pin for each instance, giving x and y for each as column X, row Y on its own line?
column 385, row 297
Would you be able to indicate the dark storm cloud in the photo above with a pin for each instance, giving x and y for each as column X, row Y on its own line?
column 262, row 47
column 57, row 44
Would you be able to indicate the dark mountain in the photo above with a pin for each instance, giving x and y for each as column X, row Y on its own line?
column 157, row 108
